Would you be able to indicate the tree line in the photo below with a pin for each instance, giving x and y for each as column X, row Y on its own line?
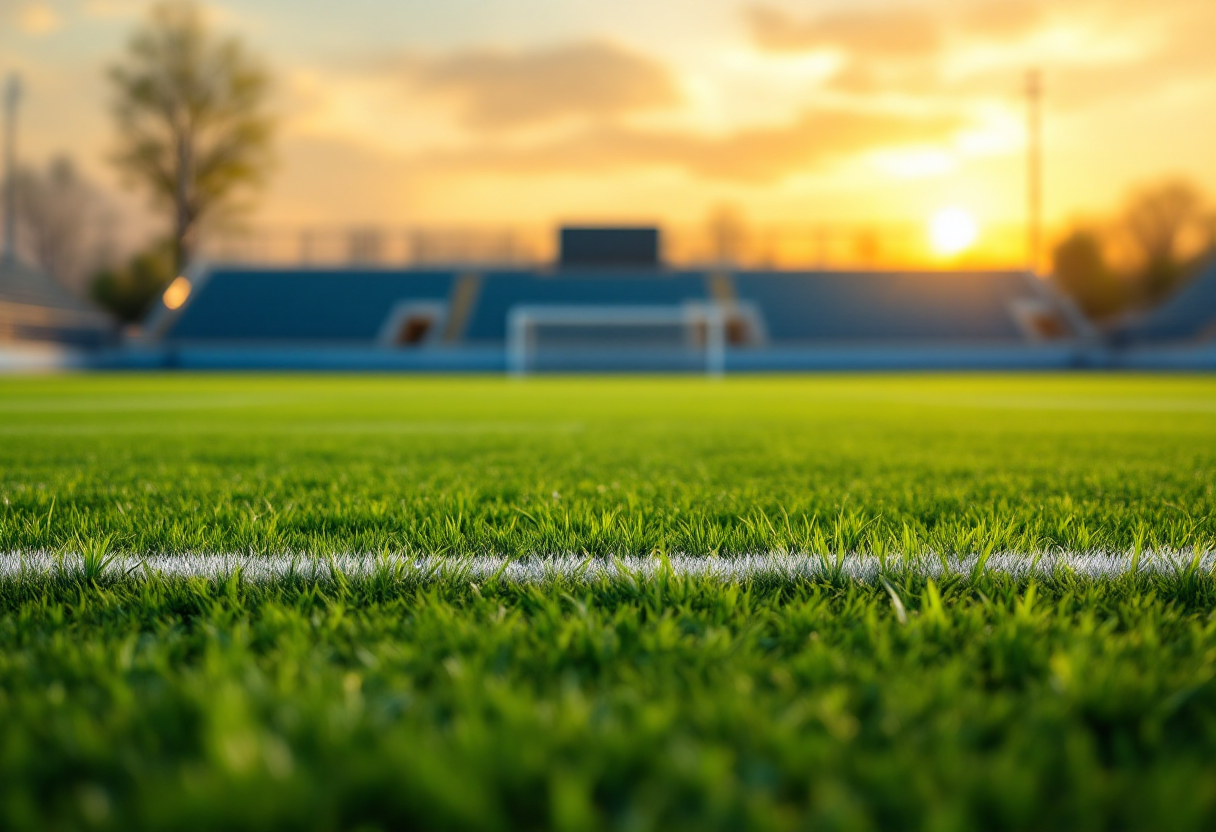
column 1161, row 237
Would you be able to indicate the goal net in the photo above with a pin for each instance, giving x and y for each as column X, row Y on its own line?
column 688, row 337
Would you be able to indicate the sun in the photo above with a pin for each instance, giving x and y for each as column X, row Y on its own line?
column 952, row 231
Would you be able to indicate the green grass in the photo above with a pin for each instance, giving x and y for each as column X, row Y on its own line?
column 133, row 701
column 671, row 704
column 330, row 465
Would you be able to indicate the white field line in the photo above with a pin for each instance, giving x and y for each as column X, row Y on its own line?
column 543, row 569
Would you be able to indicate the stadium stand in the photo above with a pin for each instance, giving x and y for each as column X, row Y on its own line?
column 783, row 308
column 788, row 308
column 1190, row 315
column 888, row 307
column 603, row 308
column 36, row 309
column 590, row 312
column 351, row 306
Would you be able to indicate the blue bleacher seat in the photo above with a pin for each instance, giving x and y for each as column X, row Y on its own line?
column 302, row 305
column 886, row 306
column 351, row 306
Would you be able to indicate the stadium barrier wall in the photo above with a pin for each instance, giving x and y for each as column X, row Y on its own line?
column 1044, row 357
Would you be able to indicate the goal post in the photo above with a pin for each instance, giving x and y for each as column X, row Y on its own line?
column 685, row 336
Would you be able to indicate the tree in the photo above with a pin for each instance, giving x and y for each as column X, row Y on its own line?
column 63, row 222
column 191, row 115
column 129, row 292
column 1081, row 271
column 1165, row 225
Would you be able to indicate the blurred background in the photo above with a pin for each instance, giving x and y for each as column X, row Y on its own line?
column 1072, row 141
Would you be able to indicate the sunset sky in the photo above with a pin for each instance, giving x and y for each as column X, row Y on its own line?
column 529, row 111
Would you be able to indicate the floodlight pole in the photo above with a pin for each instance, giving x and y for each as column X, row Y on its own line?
column 1034, row 170
column 12, row 93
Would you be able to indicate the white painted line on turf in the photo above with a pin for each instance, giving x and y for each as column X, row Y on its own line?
column 541, row 569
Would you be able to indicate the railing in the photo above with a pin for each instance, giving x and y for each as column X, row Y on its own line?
column 832, row 246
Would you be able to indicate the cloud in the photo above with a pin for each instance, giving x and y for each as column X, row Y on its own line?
column 1098, row 52
column 898, row 32
column 114, row 8
column 1092, row 50
column 906, row 31
column 1001, row 18
column 753, row 155
column 38, row 19
column 498, row 89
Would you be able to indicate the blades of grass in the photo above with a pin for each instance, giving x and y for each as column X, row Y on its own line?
column 981, row 562
column 1137, row 549
column 901, row 614
column 935, row 610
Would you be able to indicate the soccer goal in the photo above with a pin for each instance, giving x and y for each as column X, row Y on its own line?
column 688, row 337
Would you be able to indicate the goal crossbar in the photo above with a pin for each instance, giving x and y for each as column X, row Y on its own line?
column 710, row 317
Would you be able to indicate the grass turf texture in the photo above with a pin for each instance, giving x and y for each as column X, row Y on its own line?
column 669, row 704
column 464, row 467
column 979, row 702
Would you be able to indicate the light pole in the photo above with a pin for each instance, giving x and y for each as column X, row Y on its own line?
column 12, row 92
column 1034, row 171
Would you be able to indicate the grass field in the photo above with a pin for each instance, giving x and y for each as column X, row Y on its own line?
column 935, row 694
